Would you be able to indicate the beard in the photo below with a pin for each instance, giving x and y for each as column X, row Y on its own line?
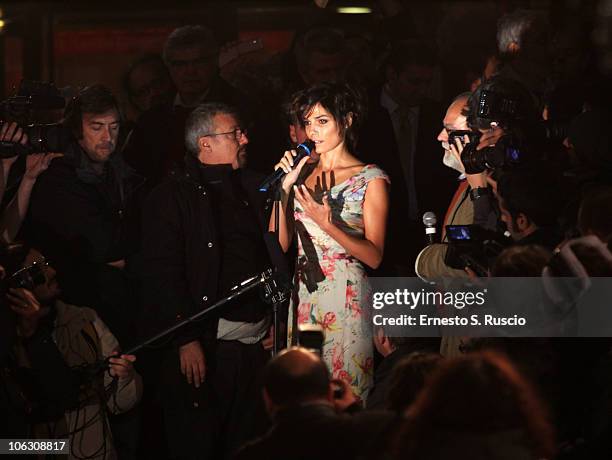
column 452, row 162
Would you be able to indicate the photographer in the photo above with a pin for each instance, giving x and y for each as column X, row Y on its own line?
column 310, row 418
column 504, row 135
column 28, row 394
column 83, row 341
column 430, row 261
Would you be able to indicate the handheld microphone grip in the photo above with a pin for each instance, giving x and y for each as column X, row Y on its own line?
column 302, row 150
column 430, row 220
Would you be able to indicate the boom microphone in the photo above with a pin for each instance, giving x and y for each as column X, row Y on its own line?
column 302, row 150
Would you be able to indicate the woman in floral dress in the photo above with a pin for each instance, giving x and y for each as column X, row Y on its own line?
column 337, row 208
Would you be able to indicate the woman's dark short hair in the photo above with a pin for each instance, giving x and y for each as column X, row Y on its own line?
column 340, row 100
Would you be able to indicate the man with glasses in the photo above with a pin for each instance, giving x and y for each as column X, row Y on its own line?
column 191, row 55
column 203, row 234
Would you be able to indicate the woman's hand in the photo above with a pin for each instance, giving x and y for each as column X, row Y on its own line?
column 319, row 213
column 286, row 163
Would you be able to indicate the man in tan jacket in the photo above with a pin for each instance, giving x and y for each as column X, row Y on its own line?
column 430, row 264
column 83, row 340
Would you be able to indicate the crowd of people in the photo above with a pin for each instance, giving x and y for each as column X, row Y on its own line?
column 137, row 225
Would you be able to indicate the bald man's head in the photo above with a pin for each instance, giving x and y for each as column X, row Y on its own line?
column 454, row 120
column 296, row 376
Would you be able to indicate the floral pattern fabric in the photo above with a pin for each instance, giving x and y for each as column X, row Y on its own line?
column 332, row 286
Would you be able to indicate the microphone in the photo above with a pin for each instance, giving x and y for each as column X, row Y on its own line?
column 302, row 150
column 430, row 221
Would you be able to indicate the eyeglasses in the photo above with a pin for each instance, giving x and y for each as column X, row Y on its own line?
column 29, row 276
column 237, row 132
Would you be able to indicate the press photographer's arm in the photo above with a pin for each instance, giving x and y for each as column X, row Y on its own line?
column 14, row 213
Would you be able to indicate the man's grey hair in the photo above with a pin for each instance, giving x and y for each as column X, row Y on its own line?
column 189, row 37
column 201, row 122
column 512, row 26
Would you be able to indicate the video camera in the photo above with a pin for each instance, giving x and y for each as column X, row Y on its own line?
column 506, row 103
column 510, row 150
column 507, row 152
column 34, row 96
column 474, row 247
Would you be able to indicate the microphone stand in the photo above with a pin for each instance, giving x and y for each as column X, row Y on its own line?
column 277, row 256
column 272, row 288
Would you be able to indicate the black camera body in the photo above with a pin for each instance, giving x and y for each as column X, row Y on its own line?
column 474, row 247
column 28, row 277
column 474, row 136
column 32, row 97
column 509, row 151
column 526, row 137
column 497, row 106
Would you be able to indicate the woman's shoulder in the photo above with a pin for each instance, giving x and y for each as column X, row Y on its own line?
column 372, row 171
column 360, row 180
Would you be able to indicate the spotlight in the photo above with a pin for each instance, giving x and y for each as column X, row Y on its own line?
column 353, row 10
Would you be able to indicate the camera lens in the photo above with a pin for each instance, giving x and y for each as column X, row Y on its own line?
column 472, row 159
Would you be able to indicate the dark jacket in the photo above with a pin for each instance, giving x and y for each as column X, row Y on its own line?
column 317, row 432
column 181, row 251
column 81, row 221
column 73, row 211
column 434, row 182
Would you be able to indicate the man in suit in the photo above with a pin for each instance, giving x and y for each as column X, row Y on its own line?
column 409, row 72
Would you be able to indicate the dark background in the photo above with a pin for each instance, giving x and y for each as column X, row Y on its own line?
column 80, row 42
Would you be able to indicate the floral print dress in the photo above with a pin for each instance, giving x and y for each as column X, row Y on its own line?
column 332, row 286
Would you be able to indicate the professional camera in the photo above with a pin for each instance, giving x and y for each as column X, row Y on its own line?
column 507, row 152
column 30, row 98
column 508, row 112
column 474, row 247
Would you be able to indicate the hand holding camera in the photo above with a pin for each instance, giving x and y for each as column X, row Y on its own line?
column 11, row 134
column 37, row 163
column 343, row 395
column 24, row 304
